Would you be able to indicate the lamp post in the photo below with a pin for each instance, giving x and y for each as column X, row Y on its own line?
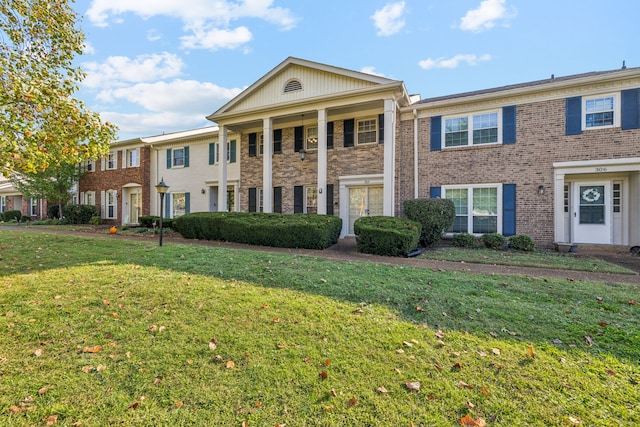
column 161, row 188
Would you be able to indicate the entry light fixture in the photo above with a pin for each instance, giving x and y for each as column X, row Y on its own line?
column 303, row 152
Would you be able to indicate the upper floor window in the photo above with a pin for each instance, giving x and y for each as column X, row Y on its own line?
column 133, row 159
column 472, row 129
column 367, row 131
column 600, row 111
column 177, row 157
column 311, row 142
column 90, row 165
column 111, row 161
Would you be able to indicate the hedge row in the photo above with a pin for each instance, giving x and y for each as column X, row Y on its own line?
column 384, row 235
column 148, row 220
column 309, row 231
column 13, row 215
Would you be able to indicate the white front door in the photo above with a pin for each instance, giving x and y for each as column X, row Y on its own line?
column 134, row 208
column 591, row 214
column 364, row 201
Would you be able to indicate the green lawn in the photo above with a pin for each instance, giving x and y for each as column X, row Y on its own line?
column 103, row 331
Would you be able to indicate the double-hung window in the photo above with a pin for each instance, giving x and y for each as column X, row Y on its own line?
column 179, row 204
column 3, row 203
column 90, row 198
column 111, row 204
column 472, row 129
column 367, row 131
column 177, row 157
column 111, row 161
column 133, row 158
column 90, row 166
column 311, row 142
column 600, row 111
column 477, row 208
column 33, row 211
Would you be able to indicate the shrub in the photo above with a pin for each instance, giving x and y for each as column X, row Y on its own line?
column 493, row 240
column 384, row 235
column 80, row 214
column 13, row 215
column 464, row 240
column 53, row 211
column 522, row 242
column 95, row 220
column 148, row 220
column 435, row 215
column 308, row 231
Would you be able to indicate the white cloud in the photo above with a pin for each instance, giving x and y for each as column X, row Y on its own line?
column 388, row 20
column 371, row 70
column 153, row 35
column 119, row 70
column 214, row 38
column 485, row 16
column 203, row 20
column 470, row 59
column 178, row 96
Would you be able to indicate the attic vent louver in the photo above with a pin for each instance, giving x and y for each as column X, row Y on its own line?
column 292, row 86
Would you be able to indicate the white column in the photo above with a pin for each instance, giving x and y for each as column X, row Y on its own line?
column 558, row 208
column 322, row 162
column 389, row 157
column 222, row 169
column 267, row 165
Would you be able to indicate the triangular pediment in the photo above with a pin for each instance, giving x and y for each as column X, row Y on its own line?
column 296, row 80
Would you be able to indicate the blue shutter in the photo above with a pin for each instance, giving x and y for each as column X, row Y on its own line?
column 212, row 153
column 168, row 158
column 298, row 199
column 329, row 134
column 574, row 115
column 277, row 199
column 167, row 206
column 252, row 200
column 509, row 209
column 381, row 128
column 329, row 199
column 436, row 133
column 630, row 109
column 277, row 141
column 348, row 132
column 232, row 151
column 435, row 192
column 253, row 137
column 186, row 157
column 187, row 203
column 298, row 138
column 509, row 125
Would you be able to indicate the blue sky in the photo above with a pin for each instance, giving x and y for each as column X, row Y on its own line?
column 163, row 65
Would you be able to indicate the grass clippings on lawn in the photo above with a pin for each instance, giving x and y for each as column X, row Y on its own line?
column 100, row 331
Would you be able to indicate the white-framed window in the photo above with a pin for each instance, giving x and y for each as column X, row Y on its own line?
column 3, row 203
column 178, row 204
column 472, row 129
column 231, row 198
column 90, row 198
column 90, row 165
column 600, row 111
column 311, row 200
column 133, row 158
column 177, row 157
column 260, row 207
column 111, row 161
column 110, row 205
column 366, row 131
column 260, row 144
column 311, row 141
column 33, row 207
column 478, row 207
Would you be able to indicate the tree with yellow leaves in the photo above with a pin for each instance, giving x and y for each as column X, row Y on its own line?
column 41, row 124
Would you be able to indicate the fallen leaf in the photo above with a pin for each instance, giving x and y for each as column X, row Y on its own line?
column 38, row 352
column 230, row 364
column 496, row 351
column 399, row 351
column 276, row 320
column 381, row 389
column 407, row 344
column 438, row 368
column 467, row 421
column 179, row 404
column 87, row 368
column 470, row 405
column 441, row 343
column 531, row 352
column 482, row 353
column 462, row 384
column 413, row 385
column 575, row 421
column 493, row 334
column 353, row 401
column 439, row 334
column 94, row 349
column 15, row 409
column 106, row 302
column 333, row 392
column 323, row 375
column 327, row 362
column 610, row 372
column 589, row 340
column 43, row 390
column 134, row 405
column 634, row 302
column 157, row 380
column 51, row 420
column 484, row 391
column 418, row 308
column 457, row 366
column 557, row 341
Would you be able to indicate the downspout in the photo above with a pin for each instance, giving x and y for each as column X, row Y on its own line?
column 416, row 192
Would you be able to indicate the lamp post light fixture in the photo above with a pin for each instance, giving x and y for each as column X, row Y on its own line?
column 161, row 188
